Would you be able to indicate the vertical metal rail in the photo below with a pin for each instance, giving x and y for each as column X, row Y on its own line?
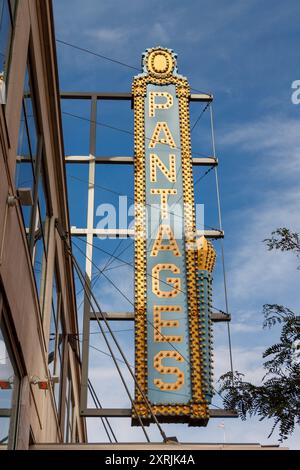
column 89, row 255
column 221, row 241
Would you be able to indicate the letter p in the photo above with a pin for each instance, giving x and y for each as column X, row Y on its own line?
column 154, row 104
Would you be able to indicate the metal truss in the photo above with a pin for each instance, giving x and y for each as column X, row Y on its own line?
column 90, row 232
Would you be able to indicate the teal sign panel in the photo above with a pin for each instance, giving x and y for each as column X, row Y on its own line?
column 168, row 354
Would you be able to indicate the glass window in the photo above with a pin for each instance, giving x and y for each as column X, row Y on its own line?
column 7, row 8
column 56, row 341
column 29, row 109
column 30, row 184
column 9, row 391
column 27, row 168
column 24, row 169
column 40, row 237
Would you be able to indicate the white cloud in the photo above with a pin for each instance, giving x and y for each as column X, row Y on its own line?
column 109, row 34
column 245, row 328
column 159, row 34
column 256, row 274
column 275, row 138
column 247, row 360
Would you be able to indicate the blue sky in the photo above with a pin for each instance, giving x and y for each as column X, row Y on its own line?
column 245, row 53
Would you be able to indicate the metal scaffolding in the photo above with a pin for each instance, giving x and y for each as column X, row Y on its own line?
column 89, row 231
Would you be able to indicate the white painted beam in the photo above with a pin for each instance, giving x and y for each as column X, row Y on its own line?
column 130, row 232
column 121, row 159
column 129, row 316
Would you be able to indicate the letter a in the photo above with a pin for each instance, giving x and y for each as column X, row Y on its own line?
column 165, row 231
column 162, row 127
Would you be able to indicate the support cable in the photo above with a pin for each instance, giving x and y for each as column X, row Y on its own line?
column 151, row 324
column 124, row 358
column 118, row 62
column 101, row 351
column 105, row 421
column 200, row 116
column 124, row 131
column 101, row 56
column 81, row 117
column 120, row 360
column 175, row 349
column 147, row 204
column 97, row 406
column 107, row 342
column 82, row 280
column 148, row 321
column 177, row 393
column 201, row 178
column 129, row 246
column 222, row 245
column 132, row 266
column 126, row 330
column 106, row 266
column 78, row 269
column 128, row 300
column 111, row 258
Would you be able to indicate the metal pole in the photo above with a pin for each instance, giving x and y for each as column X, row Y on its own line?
column 89, row 253
column 222, row 245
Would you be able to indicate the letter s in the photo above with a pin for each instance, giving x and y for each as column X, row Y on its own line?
column 168, row 386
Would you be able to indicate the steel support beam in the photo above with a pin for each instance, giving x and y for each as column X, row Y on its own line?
column 220, row 317
column 129, row 160
column 80, row 232
column 205, row 161
column 113, row 316
column 125, row 233
column 126, row 413
column 129, row 316
column 86, row 95
column 207, row 98
column 104, row 159
column 79, row 95
column 211, row 233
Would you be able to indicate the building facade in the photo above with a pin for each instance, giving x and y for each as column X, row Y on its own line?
column 39, row 368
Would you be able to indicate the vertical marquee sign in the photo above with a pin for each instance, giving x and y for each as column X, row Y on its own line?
column 172, row 268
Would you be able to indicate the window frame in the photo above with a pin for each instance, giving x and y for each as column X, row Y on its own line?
column 38, row 166
column 68, row 404
column 59, row 321
column 13, row 412
column 12, row 9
